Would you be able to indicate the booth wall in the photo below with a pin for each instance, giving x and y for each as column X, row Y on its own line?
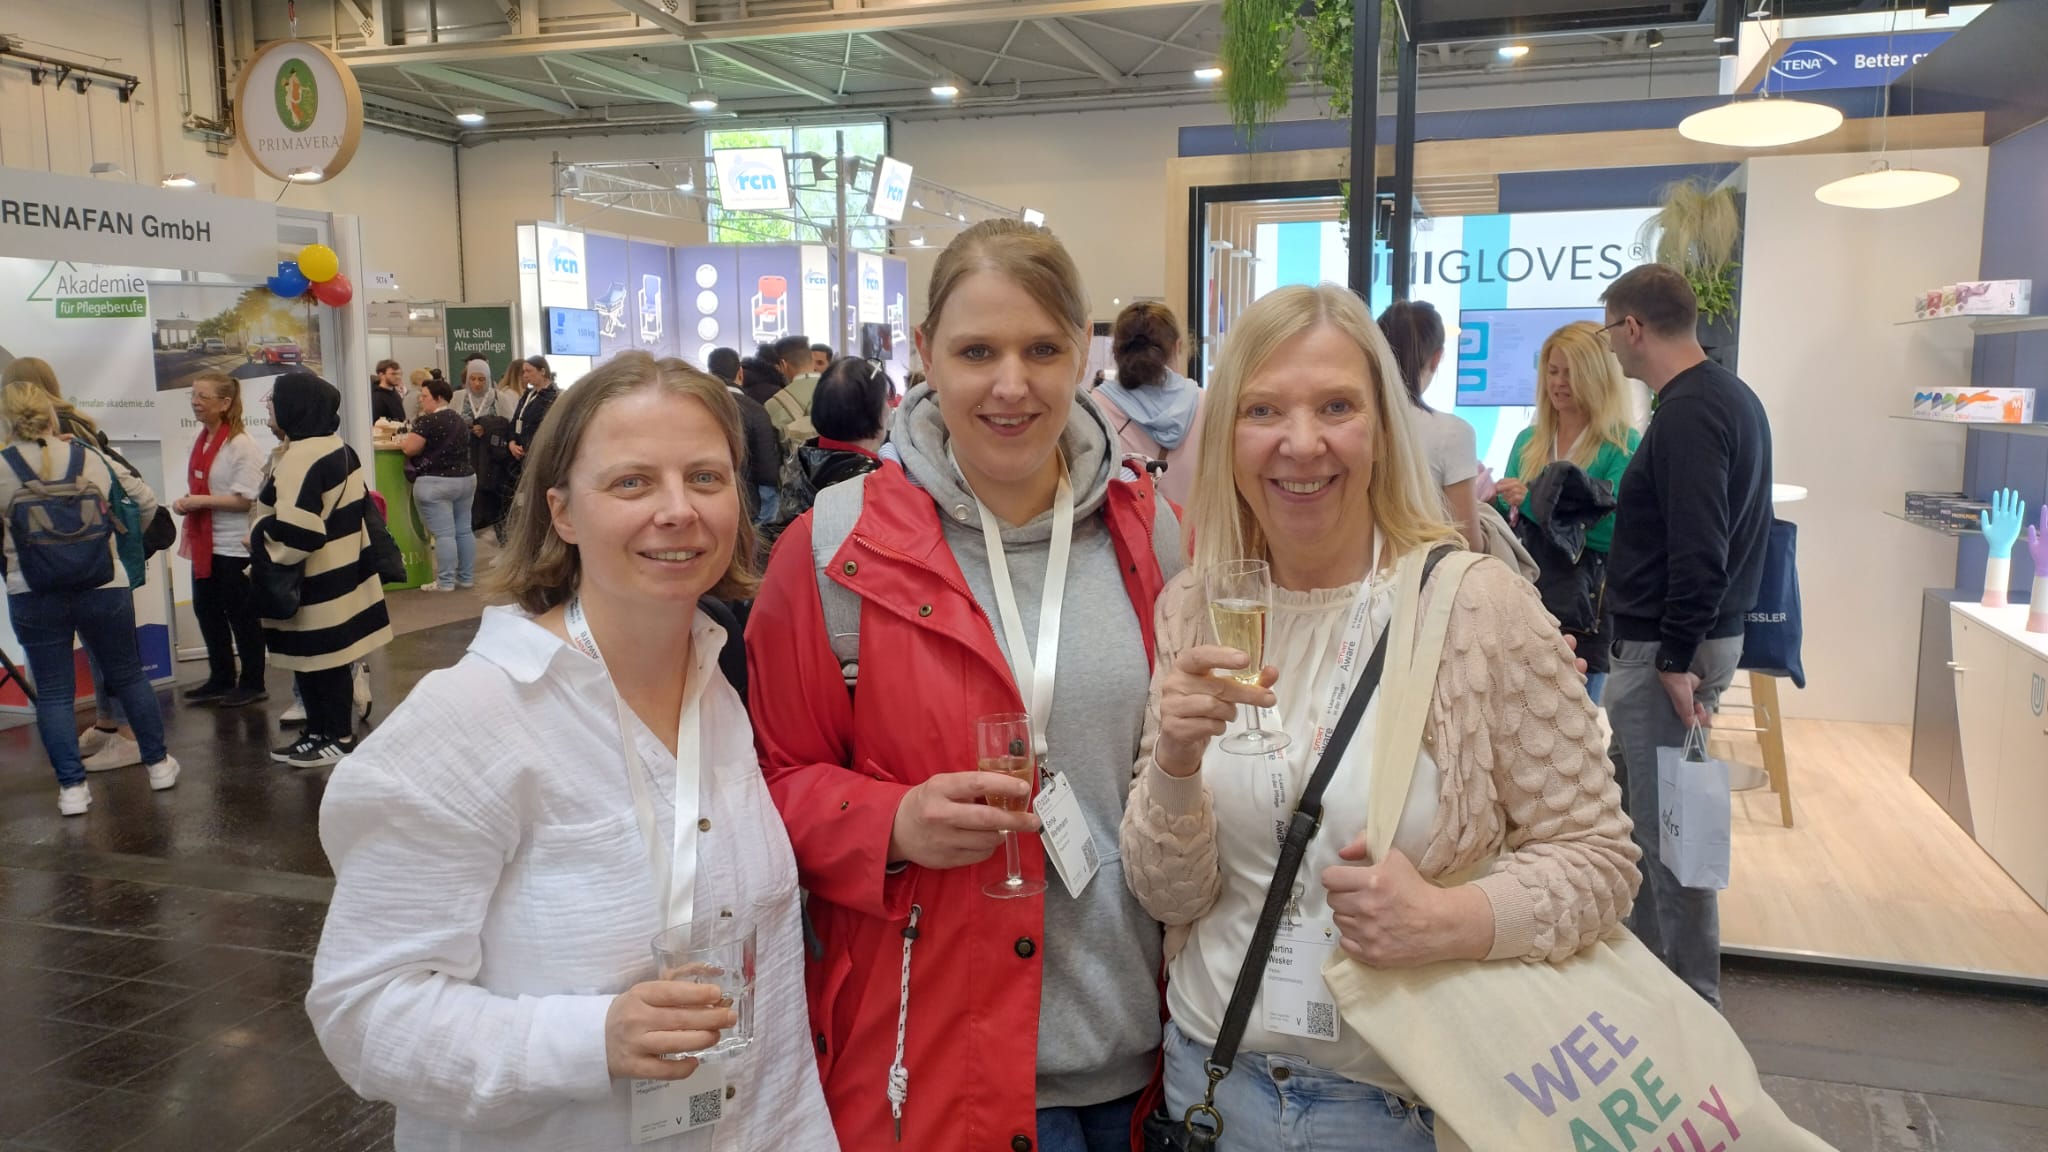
column 1821, row 290
column 403, row 187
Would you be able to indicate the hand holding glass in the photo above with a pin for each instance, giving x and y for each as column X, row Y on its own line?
column 1002, row 745
column 1240, row 596
column 720, row 955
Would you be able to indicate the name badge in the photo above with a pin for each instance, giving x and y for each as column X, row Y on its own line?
column 1068, row 843
column 1298, row 1001
column 664, row 1108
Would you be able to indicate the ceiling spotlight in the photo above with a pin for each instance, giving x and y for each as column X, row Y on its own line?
column 945, row 90
column 179, row 180
column 1513, row 51
column 688, row 184
column 917, row 238
column 703, row 101
column 1209, row 73
column 1937, row 9
column 469, row 115
column 305, row 175
column 1655, row 39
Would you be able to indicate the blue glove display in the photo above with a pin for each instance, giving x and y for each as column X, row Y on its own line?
column 2001, row 524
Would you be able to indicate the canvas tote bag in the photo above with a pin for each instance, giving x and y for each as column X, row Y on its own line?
column 1605, row 1052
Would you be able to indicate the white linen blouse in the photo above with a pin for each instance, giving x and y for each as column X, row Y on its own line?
column 237, row 470
column 493, row 894
column 1305, row 632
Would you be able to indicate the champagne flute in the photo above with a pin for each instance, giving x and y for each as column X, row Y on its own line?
column 1240, row 595
column 1002, row 744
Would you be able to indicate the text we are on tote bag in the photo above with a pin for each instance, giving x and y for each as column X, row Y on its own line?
column 1605, row 1052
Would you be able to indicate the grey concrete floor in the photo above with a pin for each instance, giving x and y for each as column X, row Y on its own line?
column 153, row 955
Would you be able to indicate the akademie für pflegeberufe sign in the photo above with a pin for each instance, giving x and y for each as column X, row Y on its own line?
column 298, row 110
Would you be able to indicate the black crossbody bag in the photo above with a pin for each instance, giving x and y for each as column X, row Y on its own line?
column 1202, row 1126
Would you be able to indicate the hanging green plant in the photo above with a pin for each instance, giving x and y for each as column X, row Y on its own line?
column 1258, row 50
column 1695, row 231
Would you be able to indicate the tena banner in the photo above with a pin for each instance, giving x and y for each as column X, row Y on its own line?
column 54, row 217
column 1849, row 61
column 298, row 112
column 91, row 323
column 752, row 179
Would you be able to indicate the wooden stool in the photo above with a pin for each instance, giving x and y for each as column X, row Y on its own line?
column 1768, row 725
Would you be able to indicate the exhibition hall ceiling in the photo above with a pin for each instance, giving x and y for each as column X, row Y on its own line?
column 532, row 65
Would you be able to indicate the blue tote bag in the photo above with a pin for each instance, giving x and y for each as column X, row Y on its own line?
column 1770, row 639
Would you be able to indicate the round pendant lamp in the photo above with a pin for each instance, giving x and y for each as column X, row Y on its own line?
column 1887, row 187
column 1761, row 123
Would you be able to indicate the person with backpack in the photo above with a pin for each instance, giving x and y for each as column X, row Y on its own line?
column 851, row 411
column 790, row 407
column 1156, row 411
column 318, row 588
column 1007, row 564
column 65, row 581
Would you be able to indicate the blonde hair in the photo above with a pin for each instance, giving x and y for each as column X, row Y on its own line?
column 513, row 381
column 421, row 376
column 37, row 371
column 1406, row 505
column 1599, row 387
column 1026, row 254
column 538, row 569
column 232, row 389
column 28, row 410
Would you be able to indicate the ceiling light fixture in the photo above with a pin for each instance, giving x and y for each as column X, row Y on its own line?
column 1760, row 123
column 469, row 116
column 917, row 238
column 687, row 184
column 1885, row 186
column 1210, row 73
column 945, row 90
column 106, row 167
column 1513, row 51
column 703, row 101
column 1654, row 39
column 1727, row 15
column 179, row 180
column 305, row 175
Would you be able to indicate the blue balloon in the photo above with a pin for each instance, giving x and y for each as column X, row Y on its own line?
column 289, row 282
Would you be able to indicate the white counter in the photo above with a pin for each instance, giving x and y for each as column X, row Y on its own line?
column 2001, row 675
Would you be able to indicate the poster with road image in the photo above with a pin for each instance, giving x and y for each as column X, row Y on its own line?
column 241, row 330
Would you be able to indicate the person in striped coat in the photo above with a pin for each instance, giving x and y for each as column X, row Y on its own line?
column 311, row 513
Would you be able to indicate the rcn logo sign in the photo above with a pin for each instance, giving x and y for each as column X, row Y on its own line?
column 562, row 259
column 1804, row 64
column 892, row 188
column 752, row 179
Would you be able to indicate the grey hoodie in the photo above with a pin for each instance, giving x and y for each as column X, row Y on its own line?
column 1165, row 410
column 1098, row 1024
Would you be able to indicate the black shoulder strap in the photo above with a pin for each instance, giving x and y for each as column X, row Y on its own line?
column 1301, row 829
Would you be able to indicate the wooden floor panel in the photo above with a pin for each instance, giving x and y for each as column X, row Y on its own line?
column 1873, row 868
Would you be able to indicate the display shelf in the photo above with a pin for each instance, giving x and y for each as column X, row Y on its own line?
column 1931, row 524
column 2035, row 429
column 1986, row 325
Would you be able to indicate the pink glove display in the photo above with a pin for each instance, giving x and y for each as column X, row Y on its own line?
column 2037, row 548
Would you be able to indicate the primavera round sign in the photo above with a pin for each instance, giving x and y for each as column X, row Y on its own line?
column 299, row 114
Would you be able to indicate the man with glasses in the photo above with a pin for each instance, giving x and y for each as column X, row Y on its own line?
column 1693, row 514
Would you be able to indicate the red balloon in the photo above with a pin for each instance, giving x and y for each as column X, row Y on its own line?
column 334, row 292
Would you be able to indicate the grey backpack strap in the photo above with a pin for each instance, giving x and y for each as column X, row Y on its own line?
column 833, row 516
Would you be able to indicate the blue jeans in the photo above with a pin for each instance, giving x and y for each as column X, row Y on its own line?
column 104, row 619
column 444, row 503
column 768, row 503
column 1596, row 683
column 1092, row 1128
column 1276, row 1103
column 109, row 710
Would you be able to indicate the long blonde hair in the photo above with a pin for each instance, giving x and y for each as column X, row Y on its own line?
column 1406, row 505
column 1599, row 387
column 37, row 371
column 28, row 410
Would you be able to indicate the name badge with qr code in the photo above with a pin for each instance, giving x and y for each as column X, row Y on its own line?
column 664, row 1108
column 1298, row 1001
column 1068, row 843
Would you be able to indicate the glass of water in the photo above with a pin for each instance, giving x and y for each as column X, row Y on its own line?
column 720, row 953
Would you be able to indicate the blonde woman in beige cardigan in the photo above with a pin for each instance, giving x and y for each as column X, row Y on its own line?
column 1513, row 794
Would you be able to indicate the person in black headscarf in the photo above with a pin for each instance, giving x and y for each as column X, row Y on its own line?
column 310, row 516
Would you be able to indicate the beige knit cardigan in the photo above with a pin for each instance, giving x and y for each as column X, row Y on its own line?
column 1526, row 782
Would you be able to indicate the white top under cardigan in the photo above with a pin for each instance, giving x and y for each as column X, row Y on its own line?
column 492, row 895
column 1304, row 633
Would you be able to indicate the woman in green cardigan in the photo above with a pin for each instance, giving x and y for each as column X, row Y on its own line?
column 1582, row 415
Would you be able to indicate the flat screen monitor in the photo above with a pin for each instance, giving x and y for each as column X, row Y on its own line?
column 1497, row 352
column 572, row 332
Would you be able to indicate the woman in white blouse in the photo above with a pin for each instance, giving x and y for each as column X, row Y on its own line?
column 222, row 479
column 486, row 963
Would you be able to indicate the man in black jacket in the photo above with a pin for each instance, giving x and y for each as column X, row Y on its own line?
column 1689, row 532
column 764, row 447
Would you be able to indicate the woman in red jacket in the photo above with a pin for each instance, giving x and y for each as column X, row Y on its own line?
column 1004, row 560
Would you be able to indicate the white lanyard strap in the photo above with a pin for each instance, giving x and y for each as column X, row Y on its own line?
column 673, row 864
column 1333, row 693
column 1033, row 669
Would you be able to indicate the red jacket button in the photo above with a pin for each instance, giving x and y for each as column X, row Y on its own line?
column 1025, row 948
column 1020, row 1143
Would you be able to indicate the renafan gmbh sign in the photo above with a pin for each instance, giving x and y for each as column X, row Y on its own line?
column 1849, row 61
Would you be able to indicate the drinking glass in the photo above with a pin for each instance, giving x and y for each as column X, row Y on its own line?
column 1240, row 595
column 1002, row 743
column 720, row 953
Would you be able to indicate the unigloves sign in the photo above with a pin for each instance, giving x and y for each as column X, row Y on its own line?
column 752, row 179
column 1849, row 61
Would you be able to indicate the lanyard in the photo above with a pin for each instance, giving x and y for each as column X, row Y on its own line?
column 1033, row 669
column 674, row 865
column 1335, row 690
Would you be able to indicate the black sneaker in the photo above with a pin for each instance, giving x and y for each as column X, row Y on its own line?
column 207, row 693
column 302, row 744
column 242, row 698
column 319, row 753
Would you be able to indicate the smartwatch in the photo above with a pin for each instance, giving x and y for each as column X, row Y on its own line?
column 1667, row 664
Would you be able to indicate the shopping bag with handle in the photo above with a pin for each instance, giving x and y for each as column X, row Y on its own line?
column 1692, row 813
column 1604, row 1052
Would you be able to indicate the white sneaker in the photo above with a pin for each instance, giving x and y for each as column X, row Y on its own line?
column 117, row 752
column 73, row 801
column 296, row 714
column 94, row 739
column 163, row 773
